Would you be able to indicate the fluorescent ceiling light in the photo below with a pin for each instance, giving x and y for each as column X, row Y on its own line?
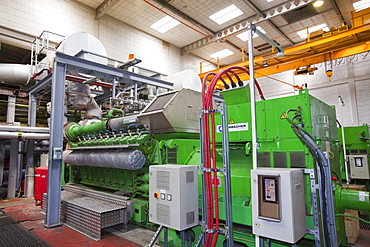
column 165, row 24
column 360, row 5
column 226, row 14
column 222, row 54
column 303, row 33
column 244, row 35
column 269, row 1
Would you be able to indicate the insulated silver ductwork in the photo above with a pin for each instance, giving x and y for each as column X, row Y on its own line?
column 127, row 159
column 79, row 98
column 19, row 74
column 20, row 135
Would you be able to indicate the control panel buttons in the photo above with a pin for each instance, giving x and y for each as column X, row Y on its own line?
column 156, row 195
column 169, row 197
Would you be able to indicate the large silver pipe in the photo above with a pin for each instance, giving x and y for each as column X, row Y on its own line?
column 19, row 74
column 127, row 159
column 16, row 135
column 24, row 129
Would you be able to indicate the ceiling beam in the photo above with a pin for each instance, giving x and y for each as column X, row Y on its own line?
column 103, row 8
column 266, row 15
column 184, row 16
column 337, row 11
column 258, row 12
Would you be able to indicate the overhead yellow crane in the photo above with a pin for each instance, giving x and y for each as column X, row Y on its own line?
column 346, row 43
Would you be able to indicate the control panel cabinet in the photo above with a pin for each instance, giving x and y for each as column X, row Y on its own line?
column 359, row 166
column 173, row 196
column 278, row 204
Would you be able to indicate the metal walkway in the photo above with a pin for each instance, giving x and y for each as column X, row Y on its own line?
column 14, row 234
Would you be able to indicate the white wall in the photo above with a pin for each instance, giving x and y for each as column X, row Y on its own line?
column 350, row 81
column 67, row 16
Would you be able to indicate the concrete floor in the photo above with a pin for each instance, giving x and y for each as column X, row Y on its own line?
column 25, row 212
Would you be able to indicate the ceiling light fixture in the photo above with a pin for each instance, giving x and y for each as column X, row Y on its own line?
column 318, row 3
column 165, row 24
column 360, row 5
column 226, row 14
column 221, row 54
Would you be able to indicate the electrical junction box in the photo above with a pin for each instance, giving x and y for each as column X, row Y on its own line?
column 359, row 166
column 173, row 196
column 278, row 204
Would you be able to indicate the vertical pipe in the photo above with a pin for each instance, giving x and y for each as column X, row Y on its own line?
column 200, row 67
column 227, row 176
column 135, row 92
column 30, row 179
column 345, row 154
column 56, row 145
column 19, row 164
column 10, row 113
column 165, row 230
column 13, row 169
column 253, row 103
column 114, row 89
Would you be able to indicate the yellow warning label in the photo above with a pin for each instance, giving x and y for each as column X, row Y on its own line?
column 283, row 115
column 231, row 121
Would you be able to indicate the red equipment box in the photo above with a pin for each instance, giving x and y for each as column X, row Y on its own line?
column 41, row 184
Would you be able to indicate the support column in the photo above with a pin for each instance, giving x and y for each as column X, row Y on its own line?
column 56, row 145
column 13, row 169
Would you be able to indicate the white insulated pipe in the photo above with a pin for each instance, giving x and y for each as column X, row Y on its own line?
column 19, row 74
column 21, row 135
column 24, row 129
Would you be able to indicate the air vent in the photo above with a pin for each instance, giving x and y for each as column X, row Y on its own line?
column 297, row 160
column 299, row 14
column 264, row 159
column 163, row 180
column 190, row 217
column 172, row 155
column 280, row 159
column 189, row 177
column 164, row 213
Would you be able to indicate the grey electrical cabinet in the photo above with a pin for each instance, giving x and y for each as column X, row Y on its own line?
column 359, row 166
column 278, row 203
column 173, row 196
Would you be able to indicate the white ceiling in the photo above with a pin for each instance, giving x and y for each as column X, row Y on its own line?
column 143, row 13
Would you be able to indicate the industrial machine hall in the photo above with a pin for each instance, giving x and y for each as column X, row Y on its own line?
column 184, row 123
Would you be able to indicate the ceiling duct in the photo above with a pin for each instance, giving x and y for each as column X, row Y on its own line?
column 299, row 14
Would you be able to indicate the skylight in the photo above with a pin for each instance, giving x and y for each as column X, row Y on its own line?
column 222, row 54
column 165, row 24
column 360, row 5
column 226, row 14
column 303, row 33
column 244, row 35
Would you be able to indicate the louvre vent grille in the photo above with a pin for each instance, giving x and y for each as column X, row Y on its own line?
column 172, row 155
column 163, row 180
column 190, row 177
column 297, row 160
column 264, row 159
column 160, row 102
column 163, row 214
column 280, row 159
column 190, row 217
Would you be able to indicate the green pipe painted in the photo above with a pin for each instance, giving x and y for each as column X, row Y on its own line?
column 73, row 130
column 352, row 199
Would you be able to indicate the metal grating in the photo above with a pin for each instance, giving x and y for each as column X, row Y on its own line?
column 190, row 217
column 13, row 234
column 164, row 213
column 280, row 159
column 163, row 180
column 363, row 225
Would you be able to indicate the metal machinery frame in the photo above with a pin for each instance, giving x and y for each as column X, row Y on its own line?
column 62, row 64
